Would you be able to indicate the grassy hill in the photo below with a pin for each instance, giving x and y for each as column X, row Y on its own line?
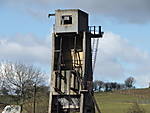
column 109, row 102
column 120, row 101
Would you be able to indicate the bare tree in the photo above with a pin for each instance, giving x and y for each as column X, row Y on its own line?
column 3, row 90
column 114, row 85
column 1, row 78
column 100, row 84
column 20, row 80
column 108, row 86
column 95, row 85
column 129, row 82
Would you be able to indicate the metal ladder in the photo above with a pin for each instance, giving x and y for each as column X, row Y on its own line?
column 95, row 43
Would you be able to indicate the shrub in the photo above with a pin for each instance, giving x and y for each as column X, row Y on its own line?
column 136, row 109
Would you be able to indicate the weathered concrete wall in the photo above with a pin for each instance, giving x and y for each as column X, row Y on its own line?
column 79, row 21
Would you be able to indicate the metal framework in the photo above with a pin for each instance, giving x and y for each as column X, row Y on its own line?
column 72, row 68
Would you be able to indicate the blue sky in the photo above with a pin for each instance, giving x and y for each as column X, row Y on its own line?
column 124, row 51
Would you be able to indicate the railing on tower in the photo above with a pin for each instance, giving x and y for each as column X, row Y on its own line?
column 95, row 31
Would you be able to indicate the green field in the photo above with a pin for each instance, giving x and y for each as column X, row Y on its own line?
column 120, row 101
column 110, row 102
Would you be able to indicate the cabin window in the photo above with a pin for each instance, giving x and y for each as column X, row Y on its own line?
column 66, row 20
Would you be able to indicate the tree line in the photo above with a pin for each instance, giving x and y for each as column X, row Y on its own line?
column 25, row 85
column 99, row 85
column 22, row 84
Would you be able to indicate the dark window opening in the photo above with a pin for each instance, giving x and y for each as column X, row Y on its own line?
column 65, row 46
column 66, row 20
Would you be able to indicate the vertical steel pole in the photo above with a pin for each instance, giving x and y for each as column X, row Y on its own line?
column 34, row 98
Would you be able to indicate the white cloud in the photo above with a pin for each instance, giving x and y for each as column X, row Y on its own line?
column 117, row 60
column 26, row 48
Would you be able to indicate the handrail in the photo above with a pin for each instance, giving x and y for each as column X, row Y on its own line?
column 95, row 31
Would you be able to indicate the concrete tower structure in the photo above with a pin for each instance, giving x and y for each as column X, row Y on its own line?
column 72, row 75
